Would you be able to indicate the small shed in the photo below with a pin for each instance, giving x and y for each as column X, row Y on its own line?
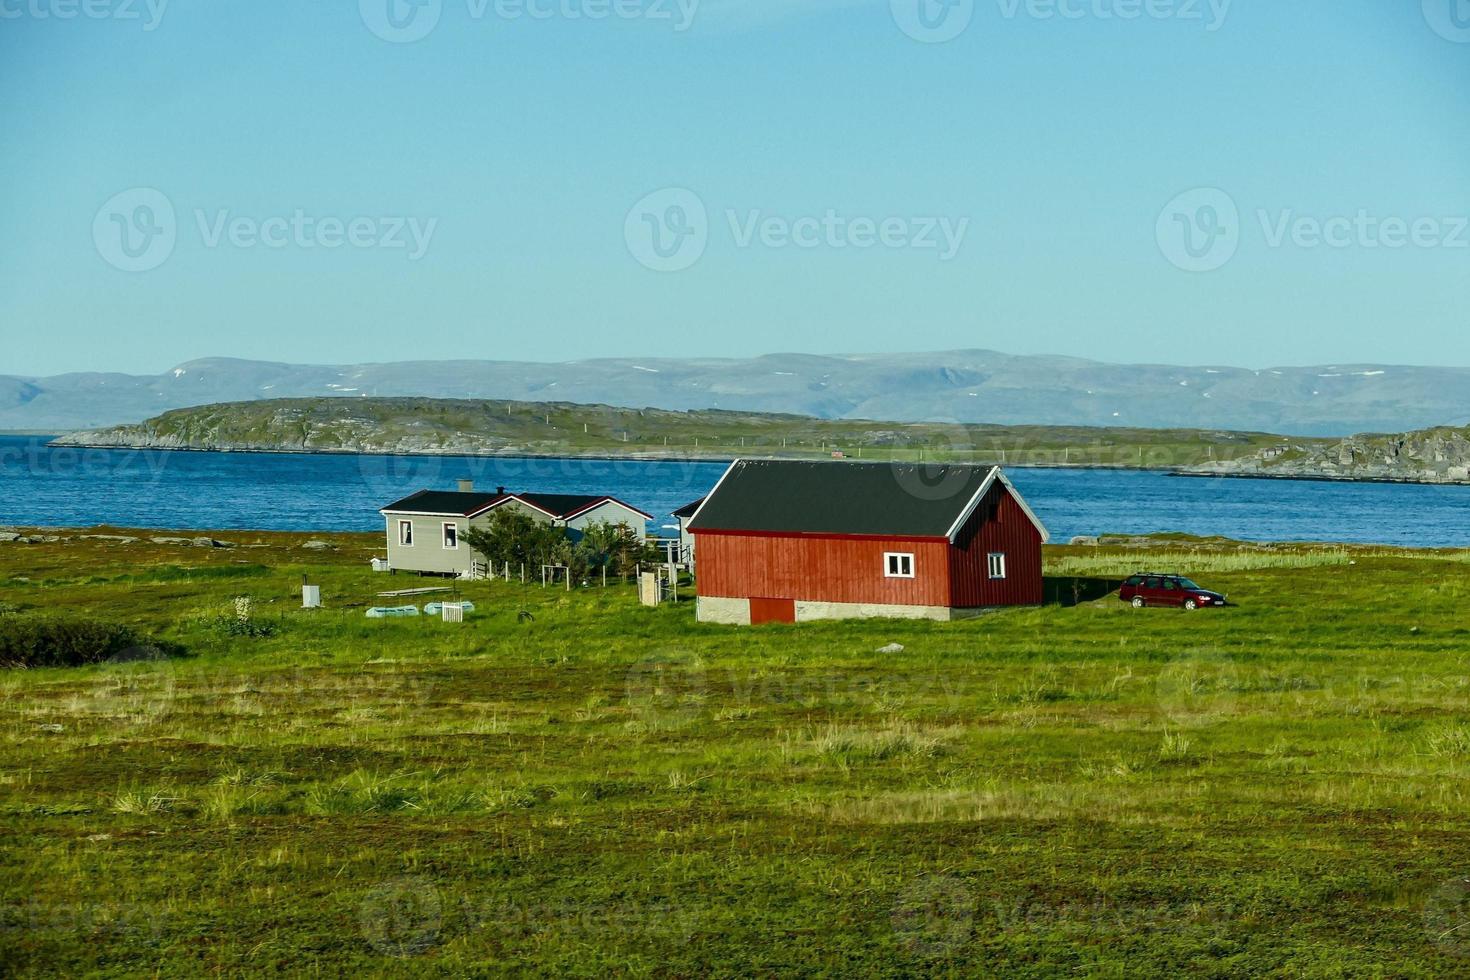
column 788, row 541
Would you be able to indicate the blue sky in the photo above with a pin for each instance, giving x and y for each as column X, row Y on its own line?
column 1025, row 184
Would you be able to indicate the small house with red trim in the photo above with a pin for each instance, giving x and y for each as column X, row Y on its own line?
column 788, row 541
column 424, row 528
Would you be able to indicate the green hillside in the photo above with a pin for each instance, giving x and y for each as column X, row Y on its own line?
column 426, row 425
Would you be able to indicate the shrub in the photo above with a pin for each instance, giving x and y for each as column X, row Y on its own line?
column 45, row 642
column 240, row 621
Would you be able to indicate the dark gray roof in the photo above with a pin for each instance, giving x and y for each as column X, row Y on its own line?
column 455, row 503
column 567, row 504
column 445, row 502
column 688, row 509
column 895, row 499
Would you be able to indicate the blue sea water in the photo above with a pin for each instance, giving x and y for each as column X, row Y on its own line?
column 40, row 485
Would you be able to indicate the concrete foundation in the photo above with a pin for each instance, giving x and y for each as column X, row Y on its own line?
column 736, row 612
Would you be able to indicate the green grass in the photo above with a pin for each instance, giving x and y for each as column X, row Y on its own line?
column 1277, row 788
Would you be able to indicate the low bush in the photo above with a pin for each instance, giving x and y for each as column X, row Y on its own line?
column 46, row 642
column 240, row 620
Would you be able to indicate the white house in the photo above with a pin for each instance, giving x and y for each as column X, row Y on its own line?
column 424, row 528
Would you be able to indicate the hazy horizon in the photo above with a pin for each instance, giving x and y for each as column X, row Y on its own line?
column 671, row 356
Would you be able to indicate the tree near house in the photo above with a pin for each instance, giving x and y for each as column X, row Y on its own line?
column 517, row 538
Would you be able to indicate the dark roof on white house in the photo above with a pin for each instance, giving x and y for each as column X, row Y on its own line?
column 877, row 499
column 689, row 509
column 565, row 505
column 453, row 503
column 445, row 502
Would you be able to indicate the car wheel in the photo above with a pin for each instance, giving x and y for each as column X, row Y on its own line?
column 1138, row 602
column 1190, row 605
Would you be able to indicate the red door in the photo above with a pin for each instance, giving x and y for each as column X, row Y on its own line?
column 772, row 611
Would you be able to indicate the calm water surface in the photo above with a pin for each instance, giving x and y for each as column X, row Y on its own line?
column 154, row 489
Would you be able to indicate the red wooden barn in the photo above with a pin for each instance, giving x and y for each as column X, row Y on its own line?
column 788, row 541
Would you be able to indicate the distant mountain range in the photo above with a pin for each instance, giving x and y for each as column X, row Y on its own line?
column 957, row 386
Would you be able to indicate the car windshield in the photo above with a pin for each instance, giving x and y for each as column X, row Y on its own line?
column 1185, row 583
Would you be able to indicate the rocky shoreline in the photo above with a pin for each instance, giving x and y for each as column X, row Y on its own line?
column 1439, row 457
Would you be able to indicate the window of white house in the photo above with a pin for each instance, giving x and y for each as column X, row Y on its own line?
column 405, row 533
column 897, row 564
column 451, row 536
column 997, row 564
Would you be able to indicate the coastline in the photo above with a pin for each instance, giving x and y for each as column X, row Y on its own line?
column 683, row 456
column 647, row 456
column 1307, row 478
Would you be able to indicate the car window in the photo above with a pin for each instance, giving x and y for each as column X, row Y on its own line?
column 1153, row 583
column 1135, row 580
column 1185, row 583
column 1170, row 585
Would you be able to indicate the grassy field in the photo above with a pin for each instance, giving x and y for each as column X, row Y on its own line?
column 570, row 783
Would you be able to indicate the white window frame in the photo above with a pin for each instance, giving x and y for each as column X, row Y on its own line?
column 402, row 526
column 904, row 558
column 995, row 565
column 444, row 535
